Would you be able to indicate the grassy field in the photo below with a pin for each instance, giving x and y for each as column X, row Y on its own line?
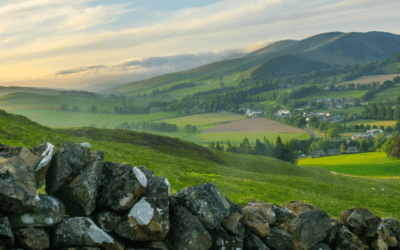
column 389, row 94
column 371, row 122
column 334, row 94
column 392, row 68
column 242, row 178
column 59, row 119
column 372, row 164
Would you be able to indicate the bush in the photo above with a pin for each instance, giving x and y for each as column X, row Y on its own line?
column 64, row 107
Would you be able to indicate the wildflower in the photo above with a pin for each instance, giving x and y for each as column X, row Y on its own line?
column 373, row 188
column 383, row 189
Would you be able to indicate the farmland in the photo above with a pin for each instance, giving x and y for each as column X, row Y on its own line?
column 371, row 122
column 369, row 79
column 371, row 164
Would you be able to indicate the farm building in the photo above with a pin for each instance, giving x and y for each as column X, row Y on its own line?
column 334, row 151
column 352, row 150
column 317, row 153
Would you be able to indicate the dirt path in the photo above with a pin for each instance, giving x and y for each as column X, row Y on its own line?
column 312, row 133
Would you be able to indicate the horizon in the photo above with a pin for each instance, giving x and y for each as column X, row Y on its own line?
column 50, row 45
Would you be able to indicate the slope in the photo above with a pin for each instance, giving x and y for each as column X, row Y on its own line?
column 242, row 178
column 288, row 65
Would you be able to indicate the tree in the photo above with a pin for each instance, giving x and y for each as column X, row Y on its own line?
column 93, row 109
column 356, row 127
column 217, row 147
column 244, row 147
column 356, row 102
column 374, row 127
column 389, row 112
column 259, row 148
column 342, row 148
column 193, row 129
column 333, row 133
column 379, row 140
column 362, row 126
column 398, row 100
column 368, row 127
column 75, row 109
column 382, row 127
column 313, row 122
column 64, row 107
column 188, row 128
column 388, row 129
column 364, row 144
column 392, row 146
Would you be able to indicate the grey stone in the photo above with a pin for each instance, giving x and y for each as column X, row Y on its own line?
column 6, row 235
column 108, row 221
column 44, row 153
column 278, row 240
column 50, row 211
column 252, row 242
column 33, row 238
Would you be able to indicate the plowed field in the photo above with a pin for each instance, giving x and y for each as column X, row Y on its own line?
column 256, row 125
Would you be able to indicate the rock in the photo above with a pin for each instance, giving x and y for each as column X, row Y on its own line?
column 65, row 165
column 206, row 202
column 309, row 228
column 79, row 196
column 372, row 222
column 258, row 216
column 278, row 239
column 187, row 232
column 233, row 223
column 156, row 245
column 44, row 152
column 320, row 246
column 33, row 238
column 6, row 235
column 252, row 242
column 299, row 207
column 50, row 212
column 346, row 240
column 284, row 218
column 82, row 248
column 81, row 231
column 108, row 221
column 122, row 186
column 148, row 219
column 222, row 240
column 393, row 226
column 335, row 229
column 17, row 180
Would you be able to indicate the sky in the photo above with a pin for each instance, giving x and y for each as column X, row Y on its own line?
column 44, row 42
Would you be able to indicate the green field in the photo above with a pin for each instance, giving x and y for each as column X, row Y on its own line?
column 334, row 94
column 371, row 122
column 389, row 94
column 241, row 178
column 372, row 164
column 392, row 68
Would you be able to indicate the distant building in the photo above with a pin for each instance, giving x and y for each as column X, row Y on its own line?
column 318, row 153
column 333, row 151
column 352, row 150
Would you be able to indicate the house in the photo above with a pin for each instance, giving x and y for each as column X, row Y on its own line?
column 388, row 135
column 283, row 112
column 356, row 136
column 352, row 150
column 334, row 151
column 373, row 132
column 318, row 153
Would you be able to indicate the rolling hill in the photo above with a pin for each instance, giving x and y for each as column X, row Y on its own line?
column 288, row 65
column 333, row 48
column 241, row 178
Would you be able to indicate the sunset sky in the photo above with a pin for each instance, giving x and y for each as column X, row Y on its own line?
column 41, row 38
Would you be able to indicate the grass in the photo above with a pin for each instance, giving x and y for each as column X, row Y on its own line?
column 241, row 178
column 372, row 164
column 371, row 122
column 389, row 94
column 334, row 94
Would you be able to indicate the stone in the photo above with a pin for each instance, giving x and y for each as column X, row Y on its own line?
column 79, row 195
column 284, row 218
column 156, row 245
column 299, row 207
column 222, row 240
column 336, row 226
column 82, row 231
column 33, row 238
column 82, row 248
column 346, row 240
column 252, row 242
column 320, row 246
column 108, row 221
column 258, row 216
column 6, row 235
column 44, row 153
column 278, row 240
column 187, row 232
column 148, row 219
column 65, row 166
column 17, row 180
column 393, row 226
column 50, row 211
column 233, row 223
column 372, row 222
column 122, row 186
column 309, row 228
column 207, row 202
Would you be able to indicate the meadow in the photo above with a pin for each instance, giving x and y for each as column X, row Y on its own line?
column 241, row 178
column 388, row 95
column 371, row 122
column 334, row 94
column 371, row 164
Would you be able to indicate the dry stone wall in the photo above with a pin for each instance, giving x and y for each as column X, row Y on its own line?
column 93, row 205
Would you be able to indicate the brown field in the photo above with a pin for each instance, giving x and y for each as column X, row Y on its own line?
column 369, row 79
column 256, row 125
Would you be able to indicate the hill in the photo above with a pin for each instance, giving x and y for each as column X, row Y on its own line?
column 241, row 178
column 288, row 65
column 333, row 48
column 13, row 89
